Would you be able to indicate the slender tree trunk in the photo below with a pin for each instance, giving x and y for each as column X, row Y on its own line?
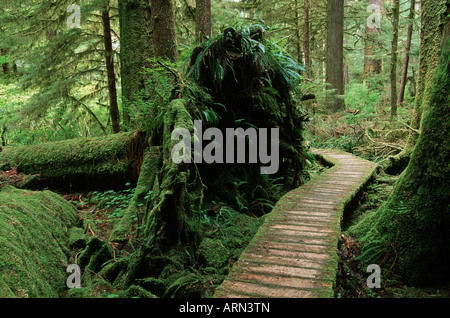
column 163, row 23
column 306, row 39
column 407, row 50
column 109, row 60
column 135, row 50
column 394, row 54
column 202, row 20
column 335, row 54
column 372, row 65
column 298, row 45
column 4, row 65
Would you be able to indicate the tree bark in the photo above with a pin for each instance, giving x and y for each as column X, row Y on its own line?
column 135, row 50
column 394, row 54
column 306, row 46
column 335, row 54
column 163, row 23
column 411, row 230
column 401, row 93
column 297, row 32
column 202, row 20
column 109, row 60
column 372, row 65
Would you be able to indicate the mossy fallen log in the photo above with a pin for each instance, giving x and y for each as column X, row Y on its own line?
column 97, row 162
column 34, row 243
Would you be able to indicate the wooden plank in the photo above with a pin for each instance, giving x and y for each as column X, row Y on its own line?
column 292, row 252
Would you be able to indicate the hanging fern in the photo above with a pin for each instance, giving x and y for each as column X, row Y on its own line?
column 252, row 80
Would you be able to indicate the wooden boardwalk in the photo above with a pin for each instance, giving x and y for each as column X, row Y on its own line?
column 293, row 255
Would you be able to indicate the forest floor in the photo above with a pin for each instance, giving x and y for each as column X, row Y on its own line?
column 104, row 208
column 351, row 277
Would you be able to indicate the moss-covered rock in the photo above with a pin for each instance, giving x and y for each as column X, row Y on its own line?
column 212, row 253
column 96, row 253
column 34, row 242
column 77, row 238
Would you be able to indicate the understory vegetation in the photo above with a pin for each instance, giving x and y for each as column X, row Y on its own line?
column 351, row 278
column 364, row 128
column 88, row 115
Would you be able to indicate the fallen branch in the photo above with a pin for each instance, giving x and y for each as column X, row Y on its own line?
column 382, row 143
column 409, row 127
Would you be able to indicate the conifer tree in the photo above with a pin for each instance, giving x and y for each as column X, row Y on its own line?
column 410, row 232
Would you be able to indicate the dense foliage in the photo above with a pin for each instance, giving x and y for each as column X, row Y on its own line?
column 91, row 108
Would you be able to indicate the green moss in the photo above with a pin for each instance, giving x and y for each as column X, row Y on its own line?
column 97, row 159
column 410, row 231
column 433, row 14
column 168, row 213
column 96, row 253
column 77, row 238
column 34, row 236
column 212, row 253
column 136, row 209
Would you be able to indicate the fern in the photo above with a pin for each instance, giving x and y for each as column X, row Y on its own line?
column 373, row 251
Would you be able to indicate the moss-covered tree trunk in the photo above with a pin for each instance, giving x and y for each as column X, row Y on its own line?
column 170, row 207
column 202, row 20
column 401, row 93
column 394, row 55
column 372, row 64
column 433, row 13
column 109, row 61
column 166, row 202
column 335, row 54
column 410, row 234
column 163, row 23
column 135, row 49
column 97, row 162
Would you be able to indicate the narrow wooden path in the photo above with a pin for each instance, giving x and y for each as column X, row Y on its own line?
column 294, row 253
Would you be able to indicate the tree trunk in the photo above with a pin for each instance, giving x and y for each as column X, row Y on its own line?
column 163, row 23
column 135, row 50
column 372, row 65
column 431, row 38
column 298, row 46
column 411, row 231
column 4, row 65
column 85, row 163
column 202, row 20
column 306, row 39
column 401, row 93
column 109, row 60
column 335, row 54
column 394, row 54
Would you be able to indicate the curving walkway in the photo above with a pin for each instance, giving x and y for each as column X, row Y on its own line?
column 293, row 255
